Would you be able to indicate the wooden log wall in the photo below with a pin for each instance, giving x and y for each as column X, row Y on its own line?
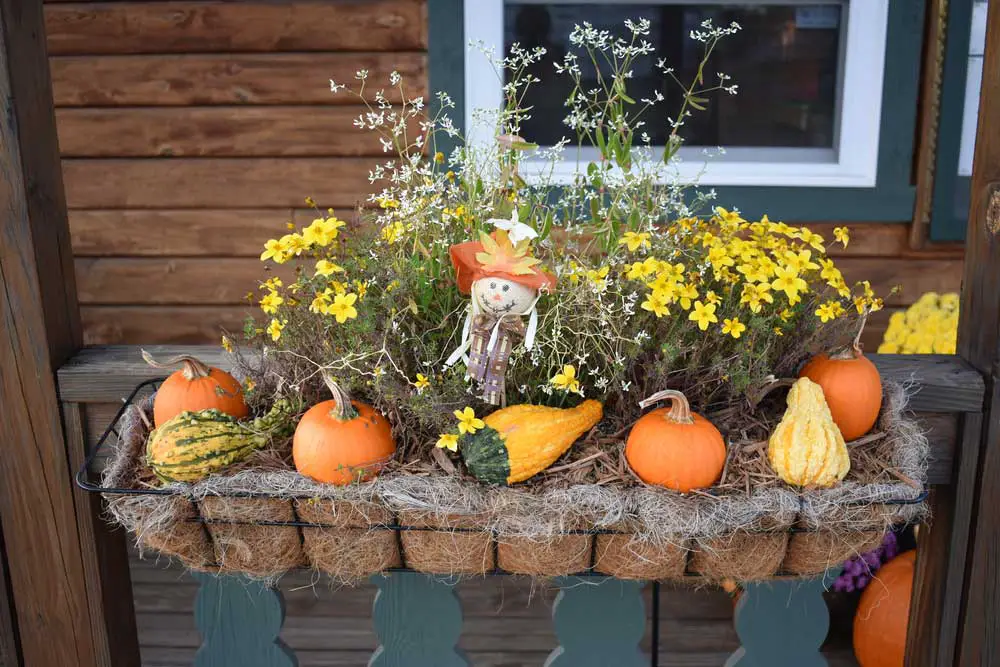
column 192, row 130
column 190, row 133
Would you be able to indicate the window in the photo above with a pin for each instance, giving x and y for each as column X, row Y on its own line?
column 810, row 76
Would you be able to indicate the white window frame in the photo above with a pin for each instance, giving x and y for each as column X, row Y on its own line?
column 852, row 162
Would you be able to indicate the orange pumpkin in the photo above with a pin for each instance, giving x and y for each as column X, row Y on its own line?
column 674, row 447
column 341, row 441
column 852, row 388
column 883, row 614
column 197, row 386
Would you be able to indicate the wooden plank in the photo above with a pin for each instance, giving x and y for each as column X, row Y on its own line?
column 598, row 624
column 10, row 649
column 109, row 589
column 273, row 78
column 205, row 27
column 98, row 375
column 225, row 131
column 941, row 557
column 978, row 337
column 782, row 623
column 226, row 280
column 240, row 622
column 915, row 276
column 174, row 325
column 49, row 577
column 418, row 620
column 216, row 182
column 187, row 281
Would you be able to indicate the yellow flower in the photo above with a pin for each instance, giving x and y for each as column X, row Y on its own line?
column 343, row 307
column 786, row 315
column 294, row 244
column 567, row 380
column 275, row 249
column 829, row 311
column 227, row 344
column 422, row 382
column 361, row 288
column 387, row 202
column 728, row 216
column 638, row 271
column 392, row 232
column 275, row 327
column 787, row 280
column 439, row 157
column 733, row 327
column 703, row 314
column 272, row 283
column 378, row 371
column 842, row 234
column 656, row 302
column 712, row 298
column 322, row 231
column 778, row 331
column 321, row 302
column 634, row 241
column 325, row 267
column 467, row 421
column 599, row 277
column 270, row 302
column 754, row 296
column 686, row 294
column 800, row 261
column 391, row 286
column 448, row 441
column 718, row 257
column 813, row 239
column 450, row 175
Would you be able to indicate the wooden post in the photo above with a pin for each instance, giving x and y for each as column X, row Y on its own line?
column 599, row 623
column 53, row 552
column 979, row 344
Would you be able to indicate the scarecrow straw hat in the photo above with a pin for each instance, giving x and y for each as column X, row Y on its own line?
column 495, row 256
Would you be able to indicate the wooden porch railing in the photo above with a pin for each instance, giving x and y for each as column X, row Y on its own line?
column 598, row 620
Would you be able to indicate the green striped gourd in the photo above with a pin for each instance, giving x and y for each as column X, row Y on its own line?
column 194, row 445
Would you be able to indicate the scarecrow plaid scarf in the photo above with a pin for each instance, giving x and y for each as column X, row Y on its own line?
column 487, row 366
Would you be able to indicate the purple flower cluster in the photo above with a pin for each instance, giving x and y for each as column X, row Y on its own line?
column 858, row 571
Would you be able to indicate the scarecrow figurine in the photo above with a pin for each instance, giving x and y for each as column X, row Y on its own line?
column 505, row 283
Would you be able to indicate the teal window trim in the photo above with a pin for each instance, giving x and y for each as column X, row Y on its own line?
column 946, row 223
column 891, row 200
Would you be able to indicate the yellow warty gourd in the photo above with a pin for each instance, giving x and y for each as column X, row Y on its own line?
column 522, row 440
column 807, row 449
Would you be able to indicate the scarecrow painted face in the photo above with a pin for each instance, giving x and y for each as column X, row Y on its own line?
column 499, row 296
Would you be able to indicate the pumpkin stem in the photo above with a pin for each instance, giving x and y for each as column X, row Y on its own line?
column 193, row 368
column 680, row 409
column 853, row 351
column 343, row 410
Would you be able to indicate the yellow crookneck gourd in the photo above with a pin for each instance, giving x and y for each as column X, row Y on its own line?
column 807, row 449
column 520, row 441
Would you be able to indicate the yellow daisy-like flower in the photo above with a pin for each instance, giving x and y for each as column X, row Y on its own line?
column 325, row 267
column 755, row 295
column 343, row 308
column 718, row 257
column 686, row 294
column 633, row 241
column 467, row 421
column 227, row 344
column 322, row 231
column 656, row 302
column 728, row 216
column 387, row 202
column 703, row 314
column 599, row 277
column 275, row 250
column 270, row 302
column 275, row 327
column 439, row 157
column 638, row 271
column 712, row 298
column 733, row 327
column 842, row 234
column 448, row 441
column 566, row 380
column 787, row 280
column 361, row 288
column 392, row 232
column 829, row 310
column 294, row 244
column 800, row 261
column 422, row 382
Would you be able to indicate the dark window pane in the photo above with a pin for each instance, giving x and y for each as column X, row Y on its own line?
column 785, row 61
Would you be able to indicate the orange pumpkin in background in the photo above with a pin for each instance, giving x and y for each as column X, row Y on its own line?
column 342, row 441
column 196, row 386
column 851, row 385
column 883, row 615
column 674, row 447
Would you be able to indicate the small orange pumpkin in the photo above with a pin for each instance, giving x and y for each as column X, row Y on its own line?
column 674, row 447
column 851, row 385
column 197, row 386
column 883, row 615
column 341, row 441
